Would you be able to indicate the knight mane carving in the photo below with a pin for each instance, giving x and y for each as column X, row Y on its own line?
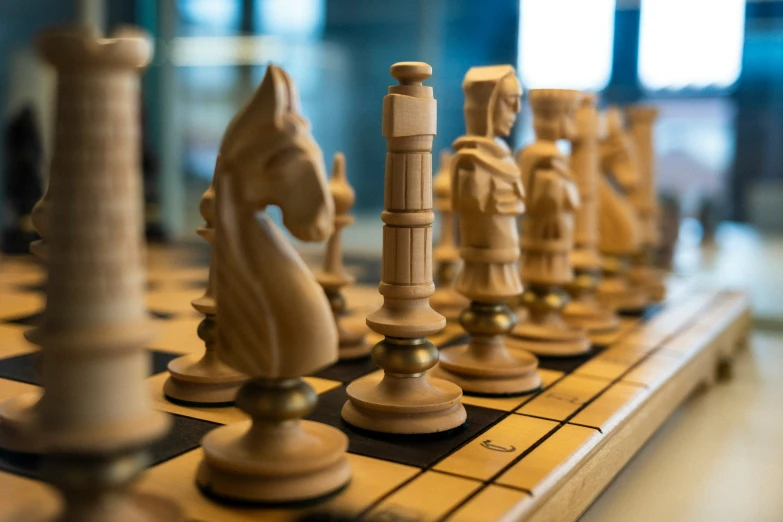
column 274, row 320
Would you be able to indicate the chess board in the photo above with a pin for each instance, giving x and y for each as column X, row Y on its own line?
column 544, row 456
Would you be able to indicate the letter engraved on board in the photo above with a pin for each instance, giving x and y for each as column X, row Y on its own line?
column 496, row 447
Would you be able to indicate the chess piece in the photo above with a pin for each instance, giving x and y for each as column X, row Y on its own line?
column 24, row 155
column 644, row 198
column 204, row 379
column 404, row 400
column 96, row 417
column 333, row 277
column 583, row 309
column 274, row 321
column 489, row 198
column 18, row 415
column 619, row 231
column 547, row 230
column 446, row 300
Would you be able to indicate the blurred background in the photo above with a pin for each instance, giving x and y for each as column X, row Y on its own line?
column 712, row 67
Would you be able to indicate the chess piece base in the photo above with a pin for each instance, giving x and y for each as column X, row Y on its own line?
column 203, row 380
column 591, row 316
column 448, row 302
column 405, row 405
column 650, row 279
column 615, row 293
column 292, row 461
column 544, row 348
column 353, row 340
column 17, row 421
column 488, row 368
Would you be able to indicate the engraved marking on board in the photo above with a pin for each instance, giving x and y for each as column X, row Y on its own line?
column 571, row 399
column 496, row 447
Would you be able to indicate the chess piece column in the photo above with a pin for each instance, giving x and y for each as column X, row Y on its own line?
column 619, row 231
column 333, row 277
column 583, row 309
column 489, row 198
column 446, row 300
column 404, row 400
column 96, row 416
column 18, row 415
column 645, row 199
column 204, row 379
column 547, row 230
column 274, row 321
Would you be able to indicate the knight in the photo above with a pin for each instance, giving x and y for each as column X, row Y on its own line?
column 275, row 323
column 547, row 230
column 488, row 197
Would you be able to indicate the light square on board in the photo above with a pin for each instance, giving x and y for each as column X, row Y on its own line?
column 179, row 335
column 493, row 503
column 611, row 407
column 173, row 301
column 511, row 403
column 486, row 455
column 429, row 496
column 613, row 362
column 550, row 460
column 371, row 479
column 655, row 370
column 564, row 398
column 25, row 499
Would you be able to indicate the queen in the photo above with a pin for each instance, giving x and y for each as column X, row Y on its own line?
column 488, row 196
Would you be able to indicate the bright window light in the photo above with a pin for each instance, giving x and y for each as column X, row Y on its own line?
column 292, row 17
column 690, row 43
column 566, row 44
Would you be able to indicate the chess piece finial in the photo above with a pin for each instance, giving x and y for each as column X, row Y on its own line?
column 274, row 321
column 333, row 277
column 619, row 231
column 95, row 417
column 404, row 400
column 446, row 300
column 489, row 198
column 204, row 379
column 583, row 309
column 645, row 199
column 547, row 230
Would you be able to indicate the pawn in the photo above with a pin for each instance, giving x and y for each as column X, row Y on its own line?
column 446, row 300
column 489, row 197
column 205, row 379
column 547, row 231
column 333, row 277
column 275, row 323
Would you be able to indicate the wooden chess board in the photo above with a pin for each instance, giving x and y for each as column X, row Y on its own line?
column 544, row 456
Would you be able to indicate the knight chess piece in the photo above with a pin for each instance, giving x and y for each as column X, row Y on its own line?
column 488, row 197
column 547, row 230
column 446, row 300
column 619, row 231
column 204, row 379
column 644, row 197
column 584, row 310
column 333, row 277
column 404, row 400
column 274, row 323
column 95, row 418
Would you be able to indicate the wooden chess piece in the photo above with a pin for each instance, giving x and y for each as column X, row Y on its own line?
column 18, row 415
column 489, row 197
column 583, row 309
column 333, row 277
column 96, row 417
column 644, row 198
column 404, row 400
column 547, row 230
column 204, row 379
column 446, row 300
column 619, row 231
column 274, row 321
